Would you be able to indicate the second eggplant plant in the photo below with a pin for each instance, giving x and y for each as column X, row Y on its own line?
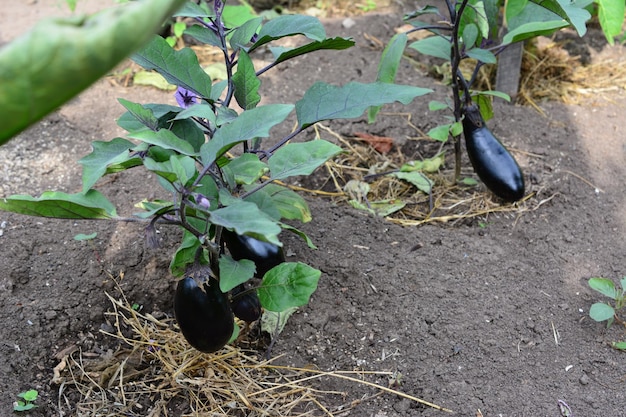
column 209, row 155
column 470, row 29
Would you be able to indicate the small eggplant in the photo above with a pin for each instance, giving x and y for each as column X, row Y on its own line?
column 204, row 316
column 265, row 255
column 245, row 305
column 494, row 165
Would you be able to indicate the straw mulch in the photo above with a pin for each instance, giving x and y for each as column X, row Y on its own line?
column 155, row 372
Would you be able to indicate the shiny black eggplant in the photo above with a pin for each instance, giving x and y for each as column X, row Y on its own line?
column 204, row 317
column 265, row 255
column 245, row 305
column 493, row 164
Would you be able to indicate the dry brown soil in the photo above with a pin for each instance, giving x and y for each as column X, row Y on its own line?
column 489, row 314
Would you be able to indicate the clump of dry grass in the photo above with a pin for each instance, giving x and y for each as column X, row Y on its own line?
column 156, row 373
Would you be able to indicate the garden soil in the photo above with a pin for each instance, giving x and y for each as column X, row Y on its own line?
column 485, row 316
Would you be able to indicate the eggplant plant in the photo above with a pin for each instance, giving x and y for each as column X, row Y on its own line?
column 470, row 29
column 209, row 154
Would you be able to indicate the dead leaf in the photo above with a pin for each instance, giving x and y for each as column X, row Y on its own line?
column 381, row 144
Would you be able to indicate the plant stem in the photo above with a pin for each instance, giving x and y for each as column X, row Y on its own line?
column 455, row 55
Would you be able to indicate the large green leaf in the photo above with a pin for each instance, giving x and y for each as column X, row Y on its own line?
column 233, row 273
column 59, row 58
column 246, row 83
column 90, row 205
column 300, row 158
column 288, row 285
column 180, row 68
column 289, row 25
column 246, row 168
column 250, row 124
column 107, row 158
column 326, row 102
column 245, row 218
column 290, row 205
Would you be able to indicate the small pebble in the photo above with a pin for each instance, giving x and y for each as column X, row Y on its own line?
column 584, row 380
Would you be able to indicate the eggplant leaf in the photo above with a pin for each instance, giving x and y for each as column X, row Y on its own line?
column 288, row 285
column 53, row 204
column 301, row 158
column 327, row 102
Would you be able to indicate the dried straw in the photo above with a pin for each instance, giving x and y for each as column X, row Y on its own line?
column 156, row 373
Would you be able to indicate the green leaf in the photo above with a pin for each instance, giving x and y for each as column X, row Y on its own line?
column 143, row 114
column 129, row 123
column 533, row 21
column 300, row 233
column 245, row 218
column 388, row 66
column 484, row 104
column 179, row 168
column 202, row 111
column 180, row 68
column 289, row 25
column 436, row 46
column 242, row 35
column 252, row 123
column 164, row 138
column 469, row 181
column 301, row 158
column 611, row 17
column 107, row 158
column 422, row 11
column 421, row 181
column 604, row 286
column 481, row 55
column 190, row 132
column 235, row 16
column 274, row 323
column 90, row 205
column 514, row 8
column 204, row 35
column 282, row 54
column 327, row 102
column 233, row 273
column 435, row 105
column 499, row 94
column 246, row 83
column 288, row 285
column 152, row 208
column 82, row 236
column 30, row 395
column 60, row 57
column 601, row 312
column 440, row 133
column 246, row 169
column 470, row 35
column 619, row 345
column 290, row 204
column 185, row 255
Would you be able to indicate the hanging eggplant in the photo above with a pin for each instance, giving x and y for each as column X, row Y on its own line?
column 493, row 164
column 265, row 255
column 245, row 304
column 204, row 316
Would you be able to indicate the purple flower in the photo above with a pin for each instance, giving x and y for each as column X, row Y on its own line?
column 185, row 98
